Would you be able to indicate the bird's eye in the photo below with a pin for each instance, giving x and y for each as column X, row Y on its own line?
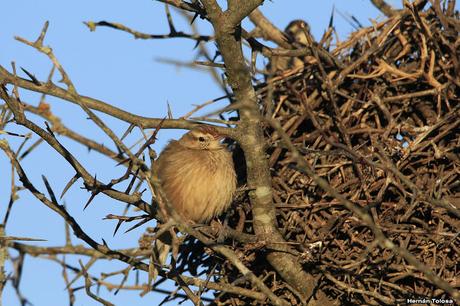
column 200, row 139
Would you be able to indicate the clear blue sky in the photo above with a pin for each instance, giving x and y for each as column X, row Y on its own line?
column 114, row 67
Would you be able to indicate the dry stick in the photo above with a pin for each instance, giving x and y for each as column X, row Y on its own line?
column 71, row 249
column 360, row 35
column 388, row 165
column 103, row 249
column 118, row 26
column 364, row 216
column 88, row 288
column 18, row 264
column 13, row 197
column 65, row 276
column 13, row 192
column 3, row 258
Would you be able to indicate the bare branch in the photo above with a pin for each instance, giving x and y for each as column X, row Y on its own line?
column 139, row 35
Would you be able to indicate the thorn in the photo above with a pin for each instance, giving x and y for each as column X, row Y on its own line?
column 170, row 115
column 50, row 190
column 117, row 227
column 69, row 184
column 48, row 128
column 32, row 77
column 172, row 29
column 331, row 19
column 138, row 224
column 40, row 39
column 91, row 198
column 194, row 17
column 128, row 131
column 131, row 183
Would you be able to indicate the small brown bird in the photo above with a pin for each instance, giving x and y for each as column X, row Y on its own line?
column 197, row 175
column 198, row 178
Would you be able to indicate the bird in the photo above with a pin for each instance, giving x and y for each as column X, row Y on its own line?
column 298, row 35
column 198, row 179
column 197, row 174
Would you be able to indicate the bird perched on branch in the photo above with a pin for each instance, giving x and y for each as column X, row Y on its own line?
column 197, row 175
column 198, row 178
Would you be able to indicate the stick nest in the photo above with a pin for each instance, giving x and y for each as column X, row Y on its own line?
column 379, row 122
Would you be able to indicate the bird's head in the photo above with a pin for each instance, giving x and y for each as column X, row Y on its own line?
column 202, row 138
column 298, row 31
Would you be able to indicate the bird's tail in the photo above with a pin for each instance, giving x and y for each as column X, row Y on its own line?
column 159, row 256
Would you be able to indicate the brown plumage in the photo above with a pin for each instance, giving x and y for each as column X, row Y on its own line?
column 197, row 175
column 198, row 178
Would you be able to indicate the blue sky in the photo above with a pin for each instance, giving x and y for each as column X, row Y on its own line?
column 111, row 66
